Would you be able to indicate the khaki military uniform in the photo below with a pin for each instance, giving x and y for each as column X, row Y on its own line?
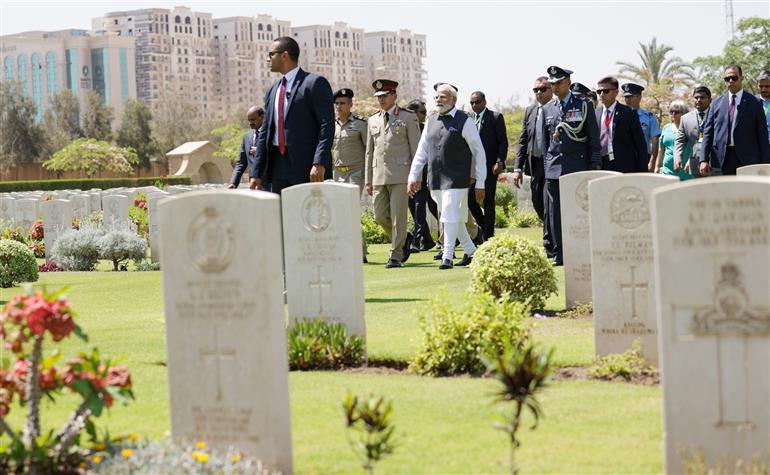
column 349, row 150
column 390, row 148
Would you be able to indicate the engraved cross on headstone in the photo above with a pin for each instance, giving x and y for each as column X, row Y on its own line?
column 731, row 320
column 320, row 283
column 217, row 354
column 633, row 286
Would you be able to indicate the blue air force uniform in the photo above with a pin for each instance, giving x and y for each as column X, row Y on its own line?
column 650, row 126
column 572, row 146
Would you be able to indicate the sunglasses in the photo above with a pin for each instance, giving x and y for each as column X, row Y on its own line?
column 473, row 103
column 539, row 89
column 731, row 78
column 604, row 91
column 270, row 54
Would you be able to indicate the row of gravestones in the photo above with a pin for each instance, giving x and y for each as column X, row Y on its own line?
column 685, row 269
column 22, row 209
column 226, row 256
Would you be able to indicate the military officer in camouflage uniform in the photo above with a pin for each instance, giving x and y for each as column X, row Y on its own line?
column 632, row 94
column 349, row 147
column 393, row 135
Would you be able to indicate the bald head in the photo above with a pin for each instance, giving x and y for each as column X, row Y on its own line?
column 255, row 115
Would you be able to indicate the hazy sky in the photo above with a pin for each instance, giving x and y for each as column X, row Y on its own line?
column 496, row 46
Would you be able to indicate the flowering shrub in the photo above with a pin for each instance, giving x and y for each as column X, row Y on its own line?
column 49, row 267
column 90, row 156
column 37, row 233
column 24, row 324
column 15, row 234
column 17, row 263
column 318, row 344
column 37, row 248
column 139, row 214
column 158, row 458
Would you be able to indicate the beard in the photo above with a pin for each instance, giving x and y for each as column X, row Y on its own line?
column 442, row 108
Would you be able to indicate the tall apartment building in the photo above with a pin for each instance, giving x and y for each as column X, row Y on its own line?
column 174, row 54
column 45, row 63
column 398, row 56
column 241, row 45
column 334, row 51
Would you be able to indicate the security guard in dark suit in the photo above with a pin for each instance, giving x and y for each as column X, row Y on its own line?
column 573, row 146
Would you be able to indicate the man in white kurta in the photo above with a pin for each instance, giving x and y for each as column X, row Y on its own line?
column 451, row 148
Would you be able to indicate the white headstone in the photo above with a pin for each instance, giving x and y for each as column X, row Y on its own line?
column 115, row 212
column 762, row 169
column 95, row 201
column 26, row 213
column 622, row 262
column 712, row 269
column 57, row 218
column 81, row 206
column 7, row 211
column 152, row 218
column 322, row 241
column 575, row 237
column 225, row 332
column 524, row 194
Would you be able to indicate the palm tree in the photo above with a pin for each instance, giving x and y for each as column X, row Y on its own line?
column 655, row 67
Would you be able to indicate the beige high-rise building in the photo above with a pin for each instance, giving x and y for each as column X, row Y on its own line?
column 397, row 56
column 241, row 45
column 174, row 54
column 335, row 52
column 46, row 63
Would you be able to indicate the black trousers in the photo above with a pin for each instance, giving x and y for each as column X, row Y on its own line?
column 537, row 186
column 552, row 220
column 730, row 165
column 283, row 176
column 418, row 208
column 486, row 218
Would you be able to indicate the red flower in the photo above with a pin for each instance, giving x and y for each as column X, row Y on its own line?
column 48, row 379
column 38, row 311
column 20, row 369
column 118, row 376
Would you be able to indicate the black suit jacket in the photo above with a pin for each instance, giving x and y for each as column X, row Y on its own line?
column 245, row 159
column 527, row 142
column 308, row 126
column 628, row 145
column 494, row 139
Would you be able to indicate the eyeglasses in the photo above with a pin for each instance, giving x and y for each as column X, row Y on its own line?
column 604, row 91
column 674, row 112
column 539, row 89
column 270, row 54
column 473, row 103
column 731, row 78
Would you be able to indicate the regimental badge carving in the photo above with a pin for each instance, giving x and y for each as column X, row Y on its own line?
column 211, row 241
column 581, row 195
column 316, row 212
column 629, row 208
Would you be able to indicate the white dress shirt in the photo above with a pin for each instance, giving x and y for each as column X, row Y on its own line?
column 289, row 84
column 611, row 130
column 471, row 135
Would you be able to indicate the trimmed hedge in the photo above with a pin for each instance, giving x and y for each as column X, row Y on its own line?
column 88, row 183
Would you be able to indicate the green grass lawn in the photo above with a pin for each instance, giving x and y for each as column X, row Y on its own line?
column 444, row 424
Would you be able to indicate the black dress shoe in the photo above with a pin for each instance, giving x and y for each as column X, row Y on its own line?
column 392, row 263
column 366, row 261
column 446, row 264
column 557, row 263
column 414, row 250
column 438, row 255
column 466, row 260
column 407, row 247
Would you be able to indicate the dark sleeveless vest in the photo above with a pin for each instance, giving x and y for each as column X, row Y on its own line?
column 449, row 156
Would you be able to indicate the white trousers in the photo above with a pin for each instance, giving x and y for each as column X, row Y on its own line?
column 453, row 206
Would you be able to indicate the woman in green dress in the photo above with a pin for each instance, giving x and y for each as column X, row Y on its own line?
column 667, row 141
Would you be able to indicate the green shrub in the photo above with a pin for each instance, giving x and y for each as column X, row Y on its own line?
column 505, row 198
column 146, row 266
column 625, row 365
column 456, row 337
column 121, row 245
column 513, row 266
column 15, row 234
column 373, row 232
column 77, row 250
column 524, row 219
column 501, row 218
column 17, row 263
column 318, row 344
column 88, row 183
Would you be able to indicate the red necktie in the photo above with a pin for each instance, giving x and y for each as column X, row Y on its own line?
column 281, row 100
column 607, row 119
